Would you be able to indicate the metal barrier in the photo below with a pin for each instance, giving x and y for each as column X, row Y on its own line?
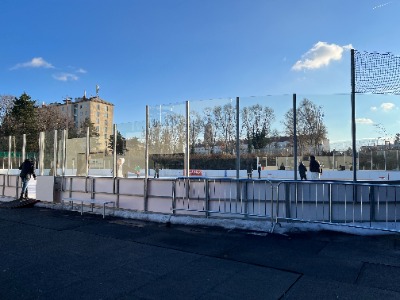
column 10, row 185
column 225, row 197
column 359, row 205
column 339, row 203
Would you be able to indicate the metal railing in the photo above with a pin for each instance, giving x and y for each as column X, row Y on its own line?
column 223, row 196
column 338, row 203
column 359, row 205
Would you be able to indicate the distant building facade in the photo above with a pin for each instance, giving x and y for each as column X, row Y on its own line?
column 96, row 110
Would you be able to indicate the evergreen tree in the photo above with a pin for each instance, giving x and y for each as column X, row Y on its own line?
column 22, row 119
column 121, row 144
column 92, row 129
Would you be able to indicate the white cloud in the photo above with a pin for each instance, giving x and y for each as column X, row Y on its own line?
column 36, row 62
column 364, row 121
column 387, row 106
column 320, row 55
column 77, row 70
column 65, row 77
column 373, row 108
column 82, row 71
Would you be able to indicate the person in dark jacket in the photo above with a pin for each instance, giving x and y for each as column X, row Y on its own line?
column 249, row 170
column 27, row 171
column 315, row 168
column 302, row 171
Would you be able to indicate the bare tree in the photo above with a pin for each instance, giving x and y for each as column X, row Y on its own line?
column 51, row 118
column 225, row 118
column 6, row 105
column 257, row 120
column 209, row 129
column 196, row 125
column 172, row 132
column 155, row 145
column 311, row 130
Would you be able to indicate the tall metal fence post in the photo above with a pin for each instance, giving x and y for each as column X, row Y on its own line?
column 237, row 140
column 4, row 185
column 9, row 153
column 114, row 165
column 187, row 154
column 23, row 147
column 294, row 137
column 55, row 145
column 353, row 115
column 64, row 152
column 42, row 137
column 146, row 159
column 237, row 150
column 87, row 151
column 353, row 122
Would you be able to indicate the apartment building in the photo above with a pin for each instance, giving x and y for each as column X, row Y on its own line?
column 96, row 110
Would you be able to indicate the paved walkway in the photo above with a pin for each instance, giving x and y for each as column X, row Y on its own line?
column 52, row 254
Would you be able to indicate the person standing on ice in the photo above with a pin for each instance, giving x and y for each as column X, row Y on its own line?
column 315, row 168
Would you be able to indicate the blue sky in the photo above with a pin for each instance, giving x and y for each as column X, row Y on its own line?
column 148, row 52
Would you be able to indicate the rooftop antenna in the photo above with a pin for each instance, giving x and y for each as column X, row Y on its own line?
column 67, row 98
column 97, row 90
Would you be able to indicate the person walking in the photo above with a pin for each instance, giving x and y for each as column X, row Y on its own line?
column 27, row 171
column 302, row 171
column 249, row 171
column 157, row 172
column 120, row 163
column 315, row 168
column 259, row 170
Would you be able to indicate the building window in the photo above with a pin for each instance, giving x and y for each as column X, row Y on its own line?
column 98, row 114
column 97, row 121
column 98, row 106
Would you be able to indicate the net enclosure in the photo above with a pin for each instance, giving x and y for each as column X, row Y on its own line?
column 377, row 73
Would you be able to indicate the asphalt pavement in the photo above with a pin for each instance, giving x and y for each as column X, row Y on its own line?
column 53, row 254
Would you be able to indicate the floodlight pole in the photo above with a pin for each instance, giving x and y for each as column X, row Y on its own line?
column 353, row 115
